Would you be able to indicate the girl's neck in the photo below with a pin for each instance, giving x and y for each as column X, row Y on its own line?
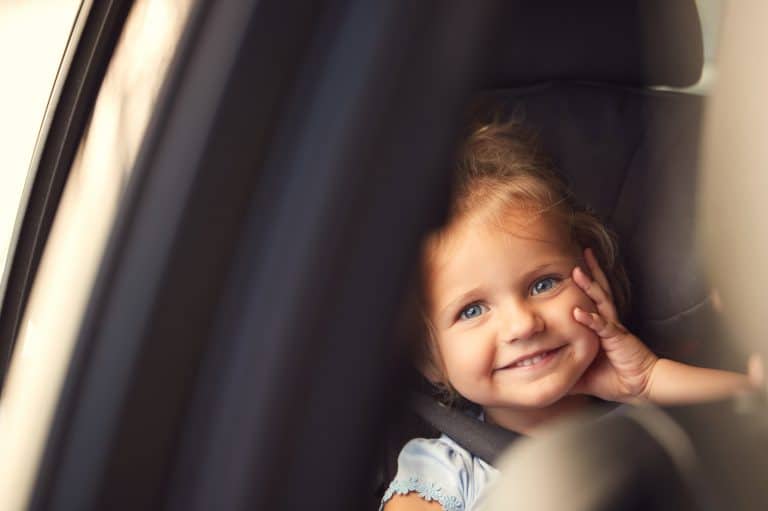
column 525, row 421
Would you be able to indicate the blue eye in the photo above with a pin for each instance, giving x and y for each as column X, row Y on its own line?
column 471, row 311
column 543, row 285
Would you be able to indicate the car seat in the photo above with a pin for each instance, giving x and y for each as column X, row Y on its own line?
column 585, row 76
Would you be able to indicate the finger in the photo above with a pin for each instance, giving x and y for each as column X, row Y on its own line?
column 717, row 301
column 593, row 289
column 603, row 328
column 756, row 371
column 596, row 271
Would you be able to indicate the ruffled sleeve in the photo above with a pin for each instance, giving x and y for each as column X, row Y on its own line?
column 438, row 470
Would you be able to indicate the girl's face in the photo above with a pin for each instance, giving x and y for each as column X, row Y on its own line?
column 501, row 305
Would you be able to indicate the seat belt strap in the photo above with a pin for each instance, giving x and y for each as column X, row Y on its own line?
column 484, row 440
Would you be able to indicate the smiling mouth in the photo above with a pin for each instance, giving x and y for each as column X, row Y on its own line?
column 535, row 360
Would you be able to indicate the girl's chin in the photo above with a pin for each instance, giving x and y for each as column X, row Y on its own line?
column 543, row 396
column 547, row 399
column 548, row 393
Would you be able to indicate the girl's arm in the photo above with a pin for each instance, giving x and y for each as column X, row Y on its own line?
column 673, row 383
column 627, row 371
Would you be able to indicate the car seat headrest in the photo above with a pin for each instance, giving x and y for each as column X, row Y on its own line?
column 632, row 156
column 629, row 42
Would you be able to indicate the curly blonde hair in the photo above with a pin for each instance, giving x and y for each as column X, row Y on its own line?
column 501, row 168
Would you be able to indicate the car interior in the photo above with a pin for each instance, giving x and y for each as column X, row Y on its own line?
column 270, row 219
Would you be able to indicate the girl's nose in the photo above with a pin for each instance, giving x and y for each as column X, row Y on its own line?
column 519, row 323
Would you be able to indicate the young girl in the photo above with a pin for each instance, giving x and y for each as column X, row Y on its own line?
column 521, row 302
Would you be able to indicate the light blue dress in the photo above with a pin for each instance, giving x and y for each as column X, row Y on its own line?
column 439, row 469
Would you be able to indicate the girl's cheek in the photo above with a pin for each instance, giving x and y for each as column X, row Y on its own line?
column 581, row 300
column 592, row 349
column 588, row 305
column 467, row 351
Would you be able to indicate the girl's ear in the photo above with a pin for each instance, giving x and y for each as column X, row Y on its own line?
column 431, row 366
column 431, row 371
column 443, row 391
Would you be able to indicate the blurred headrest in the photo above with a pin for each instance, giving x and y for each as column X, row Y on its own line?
column 733, row 202
column 632, row 156
column 630, row 42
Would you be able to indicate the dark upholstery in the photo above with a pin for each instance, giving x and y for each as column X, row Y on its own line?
column 628, row 42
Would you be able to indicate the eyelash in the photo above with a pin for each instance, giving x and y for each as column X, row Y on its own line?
column 460, row 315
column 556, row 280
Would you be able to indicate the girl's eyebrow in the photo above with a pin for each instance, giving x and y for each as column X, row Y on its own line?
column 461, row 299
column 540, row 268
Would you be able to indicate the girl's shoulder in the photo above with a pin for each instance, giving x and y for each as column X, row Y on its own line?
column 439, row 469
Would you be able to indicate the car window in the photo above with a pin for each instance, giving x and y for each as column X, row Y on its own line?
column 98, row 179
column 42, row 28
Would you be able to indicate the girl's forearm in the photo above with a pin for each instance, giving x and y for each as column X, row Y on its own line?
column 674, row 383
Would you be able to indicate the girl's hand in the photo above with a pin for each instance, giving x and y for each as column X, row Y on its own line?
column 622, row 369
